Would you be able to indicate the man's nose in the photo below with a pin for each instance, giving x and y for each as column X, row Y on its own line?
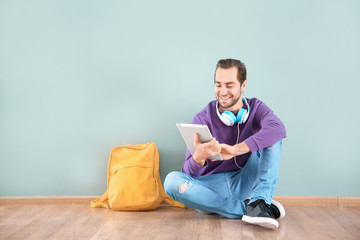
column 223, row 90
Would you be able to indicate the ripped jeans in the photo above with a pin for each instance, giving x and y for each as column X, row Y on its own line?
column 224, row 193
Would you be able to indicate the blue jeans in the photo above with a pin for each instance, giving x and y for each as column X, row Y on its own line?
column 224, row 193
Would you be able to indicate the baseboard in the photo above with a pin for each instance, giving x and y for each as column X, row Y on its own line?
column 317, row 201
column 58, row 200
column 80, row 200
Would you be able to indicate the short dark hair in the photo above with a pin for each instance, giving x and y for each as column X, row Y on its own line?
column 229, row 63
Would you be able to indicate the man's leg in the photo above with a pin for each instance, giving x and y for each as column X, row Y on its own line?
column 264, row 165
column 268, row 173
column 208, row 194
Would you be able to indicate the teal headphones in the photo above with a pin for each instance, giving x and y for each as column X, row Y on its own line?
column 229, row 119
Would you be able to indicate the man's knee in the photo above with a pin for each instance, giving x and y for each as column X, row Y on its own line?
column 171, row 183
column 255, row 158
column 275, row 147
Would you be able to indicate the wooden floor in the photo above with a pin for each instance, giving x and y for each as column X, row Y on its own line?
column 79, row 221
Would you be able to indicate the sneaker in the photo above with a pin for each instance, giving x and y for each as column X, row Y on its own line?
column 276, row 207
column 261, row 214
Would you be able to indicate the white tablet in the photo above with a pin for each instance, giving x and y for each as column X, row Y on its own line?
column 188, row 131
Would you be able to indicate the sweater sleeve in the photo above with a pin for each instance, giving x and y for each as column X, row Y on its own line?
column 268, row 129
column 190, row 167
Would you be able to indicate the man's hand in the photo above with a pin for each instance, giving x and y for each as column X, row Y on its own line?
column 204, row 151
column 228, row 152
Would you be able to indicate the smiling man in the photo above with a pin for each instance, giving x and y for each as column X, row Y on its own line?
column 249, row 136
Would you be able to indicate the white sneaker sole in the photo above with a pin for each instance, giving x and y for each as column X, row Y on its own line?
column 261, row 221
column 280, row 207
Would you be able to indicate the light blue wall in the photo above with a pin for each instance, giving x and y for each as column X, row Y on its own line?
column 78, row 78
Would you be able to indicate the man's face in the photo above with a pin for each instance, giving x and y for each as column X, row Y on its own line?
column 228, row 91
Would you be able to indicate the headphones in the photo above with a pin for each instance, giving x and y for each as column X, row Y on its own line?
column 229, row 119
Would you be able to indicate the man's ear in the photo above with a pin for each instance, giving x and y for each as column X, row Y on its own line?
column 243, row 85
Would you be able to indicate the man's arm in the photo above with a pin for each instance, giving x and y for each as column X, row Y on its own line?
column 268, row 129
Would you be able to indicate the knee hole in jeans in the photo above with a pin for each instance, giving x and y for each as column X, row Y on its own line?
column 183, row 187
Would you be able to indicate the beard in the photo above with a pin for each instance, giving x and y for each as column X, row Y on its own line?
column 229, row 104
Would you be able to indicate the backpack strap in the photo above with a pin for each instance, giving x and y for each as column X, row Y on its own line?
column 166, row 198
column 102, row 201
column 171, row 201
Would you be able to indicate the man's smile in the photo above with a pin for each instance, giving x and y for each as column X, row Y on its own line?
column 224, row 98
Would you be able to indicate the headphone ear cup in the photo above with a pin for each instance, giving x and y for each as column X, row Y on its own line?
column 225, row 119
column 230, row 118
column 246, row 115
column 240, row 116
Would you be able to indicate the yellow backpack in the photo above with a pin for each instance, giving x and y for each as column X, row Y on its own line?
column 133, row 180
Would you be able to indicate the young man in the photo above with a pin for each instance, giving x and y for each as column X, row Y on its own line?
column 248, row 136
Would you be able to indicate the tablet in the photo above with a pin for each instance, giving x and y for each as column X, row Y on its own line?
column 188, row 131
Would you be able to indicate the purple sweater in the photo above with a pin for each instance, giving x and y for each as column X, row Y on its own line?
column 262, row 129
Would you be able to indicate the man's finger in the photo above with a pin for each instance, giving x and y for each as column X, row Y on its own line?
column 196, row 139
column 211, row 143
column 216, row 146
